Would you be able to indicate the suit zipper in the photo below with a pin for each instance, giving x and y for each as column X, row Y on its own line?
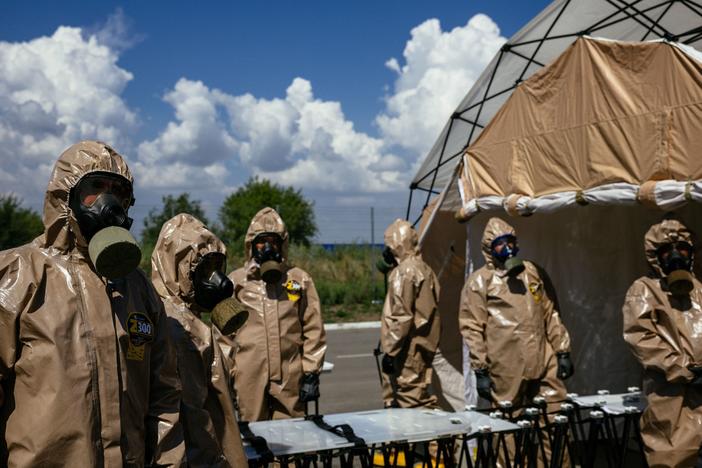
column 92, row 359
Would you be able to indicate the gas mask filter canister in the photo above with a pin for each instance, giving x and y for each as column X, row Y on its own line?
column 114, row 252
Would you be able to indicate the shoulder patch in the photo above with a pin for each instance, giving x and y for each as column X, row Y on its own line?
column 294, row 290
column 536, row 288
column 141, row 331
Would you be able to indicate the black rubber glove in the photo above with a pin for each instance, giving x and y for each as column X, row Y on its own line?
column 565, row 366
column 697, row 380
column 309, row 391
column 484, row 383
column 388, row 364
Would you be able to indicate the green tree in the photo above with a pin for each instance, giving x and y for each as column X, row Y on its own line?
column 19, row 225
column 239, row 207
column 157, row 217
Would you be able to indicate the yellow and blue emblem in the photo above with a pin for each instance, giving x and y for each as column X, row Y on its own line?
column 141, row 331
column 294, row 290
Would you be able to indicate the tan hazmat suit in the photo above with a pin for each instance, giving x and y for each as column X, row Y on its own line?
column 410, row 326
column 512, row 327
column 77, row 389
column 284, row 336
column 208, row 414
column 665, row 334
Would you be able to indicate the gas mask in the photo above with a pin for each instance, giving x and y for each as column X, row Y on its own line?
column 210, row 283
column 213, row 292
column 675, row 259
column 504, row 249
column 387, row 262
column 266, row 252
column 100, row 202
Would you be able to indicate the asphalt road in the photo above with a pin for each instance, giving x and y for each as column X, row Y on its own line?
column 353, row 385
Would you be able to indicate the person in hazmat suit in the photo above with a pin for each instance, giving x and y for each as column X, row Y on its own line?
column 87, row 372
column 280, row 349
column 410, row 325
column 188, row 267
column 509, row 318
column 663, row 327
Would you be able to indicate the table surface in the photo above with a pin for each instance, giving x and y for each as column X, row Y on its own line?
column 612, row 404
column 297, row 436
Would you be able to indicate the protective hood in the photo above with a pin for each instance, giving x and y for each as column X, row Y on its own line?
column 494, row 228
column 668, row 230
column 183, row 241
column 402, row 239
column 266, row 221
column 60, row 225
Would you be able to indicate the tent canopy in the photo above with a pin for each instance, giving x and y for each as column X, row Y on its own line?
column 538, row 44
column 515, row 166
column 601, row 120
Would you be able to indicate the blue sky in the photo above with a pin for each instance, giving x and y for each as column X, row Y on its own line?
column 199, row 96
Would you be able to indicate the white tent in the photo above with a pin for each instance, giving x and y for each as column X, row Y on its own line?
column 592, row 252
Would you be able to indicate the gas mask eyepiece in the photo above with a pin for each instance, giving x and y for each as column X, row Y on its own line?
column 266, row 252
column 504, row 249
column 675, row 259
column 100, row 202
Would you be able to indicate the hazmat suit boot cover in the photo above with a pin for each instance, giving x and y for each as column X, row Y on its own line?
column 87, row 371
column 512, row 327
column 284, row 336
column 208, row 411
column 664, row 331
column 410, row 325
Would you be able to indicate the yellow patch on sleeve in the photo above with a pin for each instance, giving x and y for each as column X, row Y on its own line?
column 536, row 290
column 294, row 290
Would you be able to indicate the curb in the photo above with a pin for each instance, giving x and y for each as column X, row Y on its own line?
column 351, row 326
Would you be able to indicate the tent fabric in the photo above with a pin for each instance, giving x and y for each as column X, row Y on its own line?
column 444, row 250
column 593, row 251
column 602, row 119
column 538, row 44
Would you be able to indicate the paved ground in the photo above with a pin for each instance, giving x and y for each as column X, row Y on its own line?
column 353, row 385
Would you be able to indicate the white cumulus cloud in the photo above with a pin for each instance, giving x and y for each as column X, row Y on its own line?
column 439, row 68
column 54, row 91
column 298, row 139
column 58, row 89
column 294, row 140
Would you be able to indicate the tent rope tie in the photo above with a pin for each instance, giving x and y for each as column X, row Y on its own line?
column 647, row 194
column 510, row 204
column 580, row 198
column 688, row 190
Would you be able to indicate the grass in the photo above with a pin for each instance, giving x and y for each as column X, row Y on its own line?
column 352, row 313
